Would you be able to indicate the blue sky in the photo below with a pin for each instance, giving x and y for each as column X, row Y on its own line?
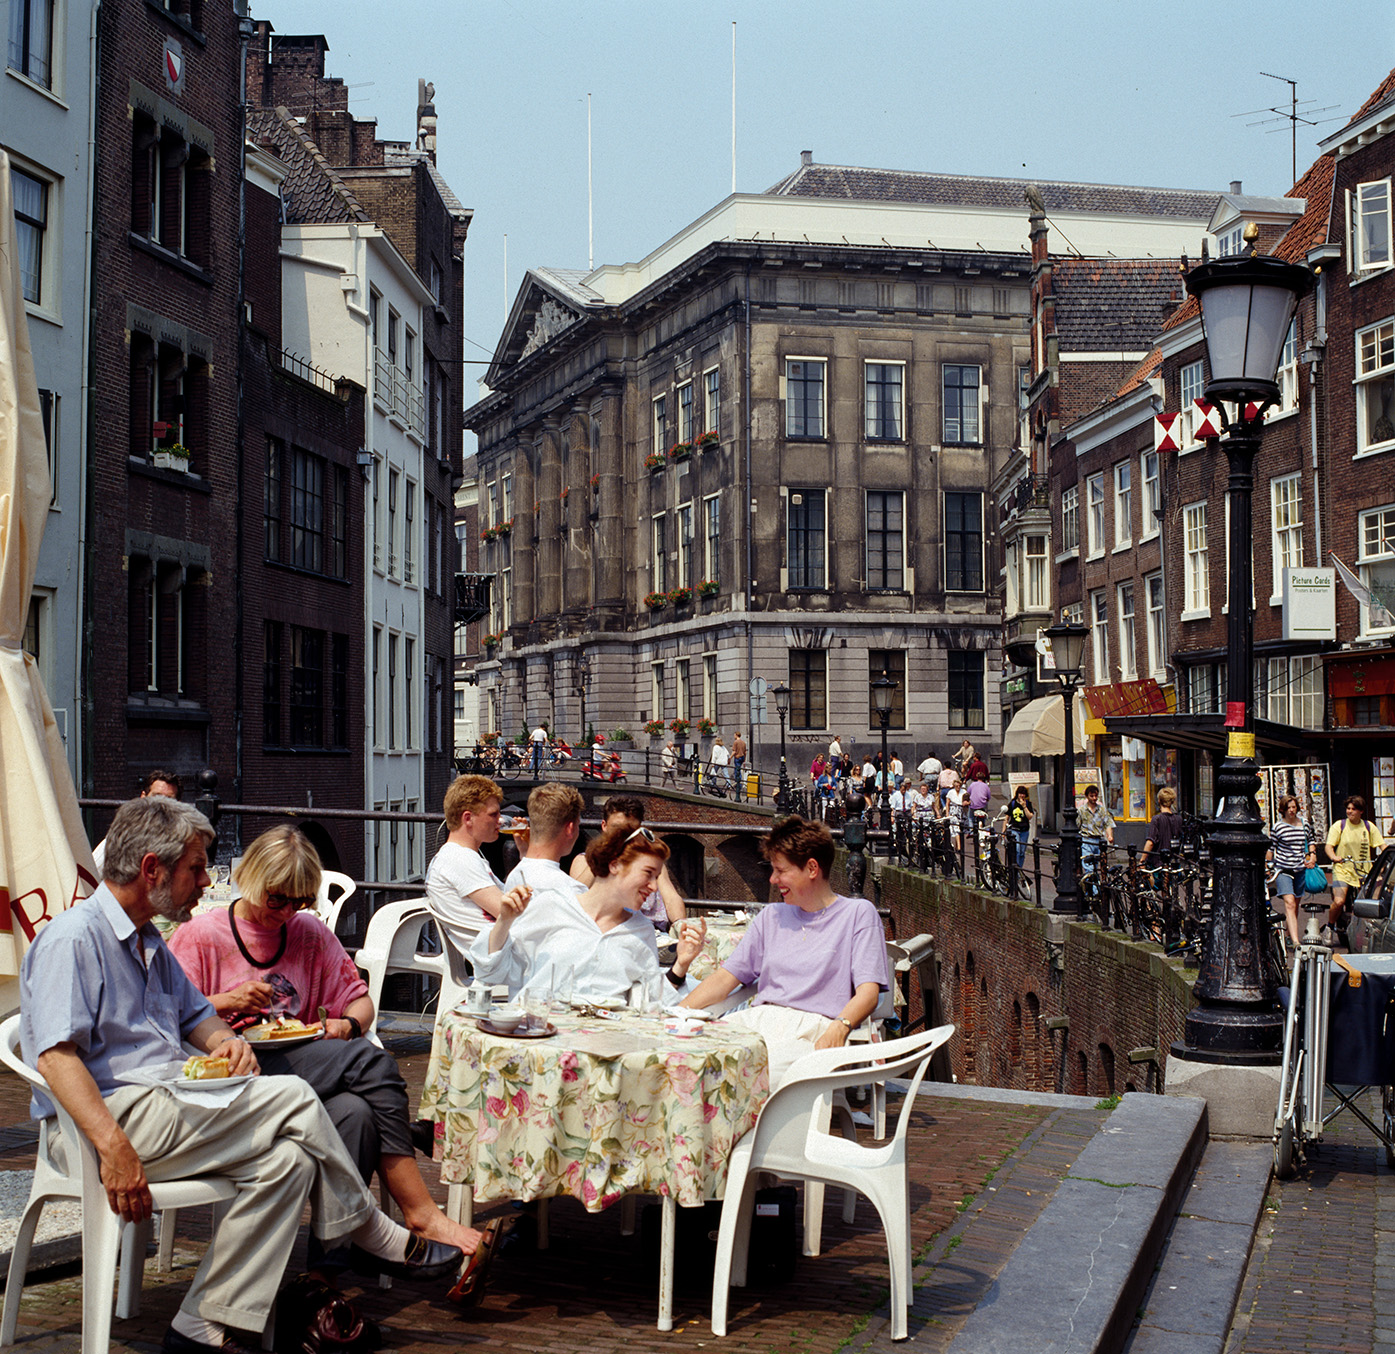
column 1076, row 89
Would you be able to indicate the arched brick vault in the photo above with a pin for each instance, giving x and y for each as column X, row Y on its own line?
column 995, row 957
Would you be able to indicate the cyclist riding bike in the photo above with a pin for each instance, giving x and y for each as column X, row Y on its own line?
column 1352, row 844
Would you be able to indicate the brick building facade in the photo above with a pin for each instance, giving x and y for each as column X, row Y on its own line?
column 164, row 456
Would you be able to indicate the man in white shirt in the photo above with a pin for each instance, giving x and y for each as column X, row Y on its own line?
column 930, row 769
column 668, row 763
column 898, row 772
column 720, row 759
column 835, row 748
column 554, row 822
column 464, row 894
column 538, row 738
column 921, row 802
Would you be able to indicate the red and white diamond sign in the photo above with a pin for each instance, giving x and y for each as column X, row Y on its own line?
column 1167, row 432
column 1208, row 421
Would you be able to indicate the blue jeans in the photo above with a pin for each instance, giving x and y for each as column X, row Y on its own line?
column 1089, row 852
column 1019, row 837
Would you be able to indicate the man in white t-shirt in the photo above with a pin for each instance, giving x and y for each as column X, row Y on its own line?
column 719, row 760
column 538, row 738
column 554, row 822
column 464, row 894
column 898, row 771
column 835, row 748
column 930, row 769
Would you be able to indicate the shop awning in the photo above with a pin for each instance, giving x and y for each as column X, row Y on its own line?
column 1038, row 728
column 1208, row 732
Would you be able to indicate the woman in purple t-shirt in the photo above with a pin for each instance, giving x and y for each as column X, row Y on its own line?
column 819, row 959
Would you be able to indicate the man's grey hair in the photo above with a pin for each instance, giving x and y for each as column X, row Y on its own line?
column 151, row 826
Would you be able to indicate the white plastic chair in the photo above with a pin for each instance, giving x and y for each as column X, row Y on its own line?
column 335, row 890
column 791, row 1140
column 104, row 1236
column 390, row 945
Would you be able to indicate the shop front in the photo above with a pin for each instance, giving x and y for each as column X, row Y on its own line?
column 1131, row 768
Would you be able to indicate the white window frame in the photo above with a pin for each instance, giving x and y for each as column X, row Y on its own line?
column 1099, row 636
column 1123, row 505
column 709, row 686
column 976, row 440
column 656, row 689
column 712, row 400
column 683, row 689
column 904, row 584
column 1191, row 382
column 1155, row 601
column 684, row 514
column 1150, row 505
column 1036, row 576
column 1286, row 519
column 1070, row 520
column 711, row 549
column 658, row 422
column 1288, row 372
column 49, row 236
column 1094, row 510
column 1375, row 365
column 686, row 412
column 822, row 433
column 1196, row 594
column 1370, row 202
column 817, row 583
column 1128, row 635
column 658, row 553
column 1376, row 550
column 899, row 435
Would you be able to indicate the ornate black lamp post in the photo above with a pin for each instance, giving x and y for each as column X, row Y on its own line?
column 583, row 678
column 1247, row 304
column 782, row 708
column 1067, row 651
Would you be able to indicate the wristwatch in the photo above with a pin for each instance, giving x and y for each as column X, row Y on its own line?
column 848, row 1023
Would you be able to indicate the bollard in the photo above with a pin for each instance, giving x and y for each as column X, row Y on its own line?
column 207, row 803
column 855, row 839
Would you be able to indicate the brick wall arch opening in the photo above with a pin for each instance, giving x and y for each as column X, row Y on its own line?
column 1106, row 1066
column 1080, row 1083
column 1036, row 1062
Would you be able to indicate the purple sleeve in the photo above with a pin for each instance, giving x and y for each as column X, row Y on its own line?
column 868, row 956
column 745, row 961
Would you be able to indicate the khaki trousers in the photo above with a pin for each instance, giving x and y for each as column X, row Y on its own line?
column 276, row 1144
column 788, row 1034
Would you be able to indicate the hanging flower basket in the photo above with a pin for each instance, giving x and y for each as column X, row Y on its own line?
column 656, row 601
column 655, row 461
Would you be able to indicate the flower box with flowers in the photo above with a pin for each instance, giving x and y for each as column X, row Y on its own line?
column 681, row 596
column 679, row 727
column 707, row 728
column 655, row 728
column 656, row 601
column 174, row 457
column 596, row 483
column 504, row 528
column 708, row 587
column 708, row 441
column 491, row 641
column 562, row 497
column 680, row 451
column 488, row 534
column 655, row 461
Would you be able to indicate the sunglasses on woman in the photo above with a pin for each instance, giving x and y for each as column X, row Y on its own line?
column 279, row 902
column 642, row 832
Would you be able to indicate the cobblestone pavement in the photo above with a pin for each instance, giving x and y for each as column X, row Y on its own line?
column 980, row 1173
column 1322, row 1272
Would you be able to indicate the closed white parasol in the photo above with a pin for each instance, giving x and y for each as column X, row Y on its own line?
column 45, row 861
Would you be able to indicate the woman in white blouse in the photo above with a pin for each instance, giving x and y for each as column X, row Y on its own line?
column 596, row 946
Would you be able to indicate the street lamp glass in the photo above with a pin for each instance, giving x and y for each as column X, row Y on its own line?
column 1068, row 649
column 1247, row 304
column 881, row 694
column 782, row 697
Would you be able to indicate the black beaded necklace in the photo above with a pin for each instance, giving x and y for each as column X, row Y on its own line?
column 256, row 963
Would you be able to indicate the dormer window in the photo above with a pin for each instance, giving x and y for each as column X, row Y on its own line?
column 1231, row 241
column 1370, row 226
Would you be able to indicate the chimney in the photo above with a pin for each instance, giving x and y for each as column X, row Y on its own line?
column 1235, row 187
column 426, row 118
column 806, row 157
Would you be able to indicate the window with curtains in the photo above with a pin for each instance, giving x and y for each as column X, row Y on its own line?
column 1070, row 517
column 883, row 402
column 169, row 189
column 712, row 536
column 31, row 40
column 966, row 703
column 804, row 397
column 808, row 683
column 1375, row 387
column 685, row 412
column 1197, row 597
column 961, row 398
column 1127, row 638
column 712, row 401
column 31, row 196
column 1286, row 505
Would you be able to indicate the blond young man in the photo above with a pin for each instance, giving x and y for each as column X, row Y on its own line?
column 554, row 823
column 461, row 888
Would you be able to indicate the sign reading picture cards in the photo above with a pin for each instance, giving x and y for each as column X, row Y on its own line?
column 1310, row 603
column 1383, row 787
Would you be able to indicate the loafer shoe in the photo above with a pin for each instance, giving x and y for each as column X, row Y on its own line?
column 425, row 1260
column 176, row 1343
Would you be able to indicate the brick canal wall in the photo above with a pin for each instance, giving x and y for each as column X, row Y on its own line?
column 1009, row 973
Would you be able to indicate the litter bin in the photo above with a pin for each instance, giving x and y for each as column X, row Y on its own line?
column 753, row 785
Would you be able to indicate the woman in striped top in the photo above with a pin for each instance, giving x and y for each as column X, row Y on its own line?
column 1292, row 850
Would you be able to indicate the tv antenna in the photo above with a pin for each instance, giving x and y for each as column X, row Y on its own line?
column 1293, row 115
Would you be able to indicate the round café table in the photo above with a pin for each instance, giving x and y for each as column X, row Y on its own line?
column 604, row 1108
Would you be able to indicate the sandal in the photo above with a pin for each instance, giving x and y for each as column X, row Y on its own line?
column 469, row 1289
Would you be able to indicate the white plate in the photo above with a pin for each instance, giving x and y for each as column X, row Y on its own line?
column 697, row 1014
column 171, row 1077
column 291, row 1041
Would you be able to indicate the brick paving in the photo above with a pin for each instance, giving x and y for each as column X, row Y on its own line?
column 1322, row 1271
column 980, row 1173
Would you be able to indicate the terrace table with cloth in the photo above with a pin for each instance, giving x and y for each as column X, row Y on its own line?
column 604, row 1108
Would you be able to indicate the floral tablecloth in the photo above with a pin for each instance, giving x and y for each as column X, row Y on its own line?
column 723, row 934
column 601, row 1109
